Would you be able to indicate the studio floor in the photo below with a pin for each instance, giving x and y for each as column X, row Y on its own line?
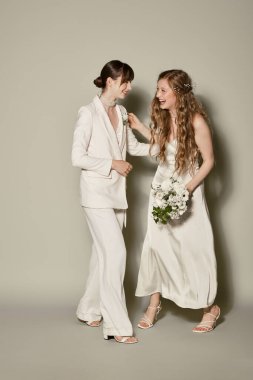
column 48, row 343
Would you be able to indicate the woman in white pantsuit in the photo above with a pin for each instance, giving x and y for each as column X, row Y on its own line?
column 101, row 139
column 178, row 260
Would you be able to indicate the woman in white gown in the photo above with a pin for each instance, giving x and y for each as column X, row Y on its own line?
column 178, row 260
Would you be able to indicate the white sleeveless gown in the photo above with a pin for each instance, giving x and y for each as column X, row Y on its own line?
column 178, row 259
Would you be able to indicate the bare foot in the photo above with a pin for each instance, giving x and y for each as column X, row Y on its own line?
column 209, row 319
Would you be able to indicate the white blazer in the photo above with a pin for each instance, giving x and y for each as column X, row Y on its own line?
column 95, row 145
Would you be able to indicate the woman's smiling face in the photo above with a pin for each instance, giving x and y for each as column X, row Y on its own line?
column 120, row 90
column 165, row 95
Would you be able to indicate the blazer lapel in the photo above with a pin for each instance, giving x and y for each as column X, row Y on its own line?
column 122, row 125
column 105, row 121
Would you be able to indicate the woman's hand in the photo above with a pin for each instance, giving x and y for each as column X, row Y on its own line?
column 138, row 126
column 122, row 167
column 190, row 191
column 189, row 188
column 134, row 122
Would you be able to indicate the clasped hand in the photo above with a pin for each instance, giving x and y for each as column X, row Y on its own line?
column 122, row 167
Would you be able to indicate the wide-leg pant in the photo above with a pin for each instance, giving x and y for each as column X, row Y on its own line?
column 104, row 295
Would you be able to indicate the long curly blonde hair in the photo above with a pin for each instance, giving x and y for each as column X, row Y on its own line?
column 187, row 106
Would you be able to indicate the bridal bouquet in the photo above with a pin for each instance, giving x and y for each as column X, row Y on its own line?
column 170, row 199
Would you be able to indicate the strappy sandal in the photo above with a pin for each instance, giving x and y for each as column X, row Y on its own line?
column 92, row 323
column 208, row 325
column 123, row 339
column 146, row 320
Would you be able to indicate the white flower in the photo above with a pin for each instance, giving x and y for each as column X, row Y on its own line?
column 180, row 190
column 185, row 195
column 181, row 205
column 174, row 215
column 176, row 186
column 166, row 185
column 170, row 192
column 159, row 193
column 155, row 186
column 159, row 198
column 171, row 197
column 175, row 176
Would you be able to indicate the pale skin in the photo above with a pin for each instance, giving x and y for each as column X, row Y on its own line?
column 116, row 90
column 167, row 99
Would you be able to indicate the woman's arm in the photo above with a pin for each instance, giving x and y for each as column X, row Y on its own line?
column 134, row 147
column 145, row 131
column 80, row 157
column 81, row 139
column 203, row 140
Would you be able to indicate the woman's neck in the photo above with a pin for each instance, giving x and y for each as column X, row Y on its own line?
column 173, row 113
column 173, row 125
column 107, row 100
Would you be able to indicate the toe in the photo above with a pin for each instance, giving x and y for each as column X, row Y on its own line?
column 199, row 328
column 94, row 323
column 132, row 339
column 143, row 324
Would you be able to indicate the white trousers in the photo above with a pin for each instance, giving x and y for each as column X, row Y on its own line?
column 104, row 295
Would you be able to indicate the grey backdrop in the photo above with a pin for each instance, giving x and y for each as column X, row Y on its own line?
column 51, row 52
